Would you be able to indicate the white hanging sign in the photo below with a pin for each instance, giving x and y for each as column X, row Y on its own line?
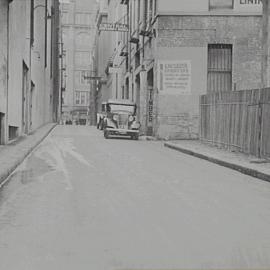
column 118, row 27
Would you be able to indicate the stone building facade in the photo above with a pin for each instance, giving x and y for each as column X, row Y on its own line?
column 29, row 89
column 176, row 51
column 101, row 55
column 110, row 65
column 78, row 36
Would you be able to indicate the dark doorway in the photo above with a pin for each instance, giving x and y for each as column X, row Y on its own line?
column 31, row 105
column 137, row 98
column 24, row 99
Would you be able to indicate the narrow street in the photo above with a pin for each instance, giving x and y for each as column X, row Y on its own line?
column 83, row 202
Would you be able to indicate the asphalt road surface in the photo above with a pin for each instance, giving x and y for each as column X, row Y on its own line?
column 83, row 202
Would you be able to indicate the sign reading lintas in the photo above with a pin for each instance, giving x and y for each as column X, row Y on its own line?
column 174, row 77
column 248, row 5
column 118, row 27
column 250, row 2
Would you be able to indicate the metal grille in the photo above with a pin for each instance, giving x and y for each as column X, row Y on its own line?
column 123, row 120
column 219, row 67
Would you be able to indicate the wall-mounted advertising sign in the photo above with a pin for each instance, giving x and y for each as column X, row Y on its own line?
column 174, row 77
column 118, row 27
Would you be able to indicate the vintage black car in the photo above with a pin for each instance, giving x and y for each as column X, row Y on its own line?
column 121, row 119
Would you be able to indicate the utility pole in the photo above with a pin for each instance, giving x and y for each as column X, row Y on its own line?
column 265, row 68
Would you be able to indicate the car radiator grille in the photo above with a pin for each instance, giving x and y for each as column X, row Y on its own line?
column 123, row 121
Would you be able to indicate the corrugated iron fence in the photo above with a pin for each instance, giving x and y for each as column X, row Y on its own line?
column 237, row 120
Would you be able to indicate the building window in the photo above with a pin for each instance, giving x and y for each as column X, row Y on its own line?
column 123, row 92
column 220, row 4
column 150, row 12
column 138, row 12
column 64, row 98
column 145, row 12
column 134, row 26
column 82, row 58
column 65, row 18
column 219, row 67
column 127, row 64
column 77, row 98
column 83, row 18
column 82, row 77
column 65, row 36
column 65, row 6
column 82, row 98
column 83, row 40
column 155, row 7
column 137, row 59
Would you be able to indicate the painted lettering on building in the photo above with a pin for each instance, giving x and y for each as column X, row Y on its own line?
column 248, row 6
column 250, row 2
column 118, row 27
column 174, row 77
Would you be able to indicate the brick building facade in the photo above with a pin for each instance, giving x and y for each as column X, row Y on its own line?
column 179, row 50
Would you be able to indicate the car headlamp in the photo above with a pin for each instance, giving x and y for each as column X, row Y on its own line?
column 115, row 117
column 135, row 125
column 131, row 118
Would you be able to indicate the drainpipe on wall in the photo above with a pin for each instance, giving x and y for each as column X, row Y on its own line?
column 6, row 128
column 265, row 62
column 129, row 35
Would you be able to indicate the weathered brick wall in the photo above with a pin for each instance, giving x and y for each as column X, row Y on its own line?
column 181, row 37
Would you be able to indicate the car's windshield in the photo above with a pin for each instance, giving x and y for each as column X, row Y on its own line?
column 122, row 108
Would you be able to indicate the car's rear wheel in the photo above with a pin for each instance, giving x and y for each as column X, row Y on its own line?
column 106, row 134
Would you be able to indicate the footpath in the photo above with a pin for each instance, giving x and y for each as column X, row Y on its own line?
column 259, row 168
column 13, row 154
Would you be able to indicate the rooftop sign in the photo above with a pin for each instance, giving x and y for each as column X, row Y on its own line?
column 119, row 27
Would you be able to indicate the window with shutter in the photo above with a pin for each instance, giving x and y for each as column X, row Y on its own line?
column 219, row 67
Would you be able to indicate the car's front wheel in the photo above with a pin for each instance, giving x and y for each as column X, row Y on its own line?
column 101, row 125
column 135, row 137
